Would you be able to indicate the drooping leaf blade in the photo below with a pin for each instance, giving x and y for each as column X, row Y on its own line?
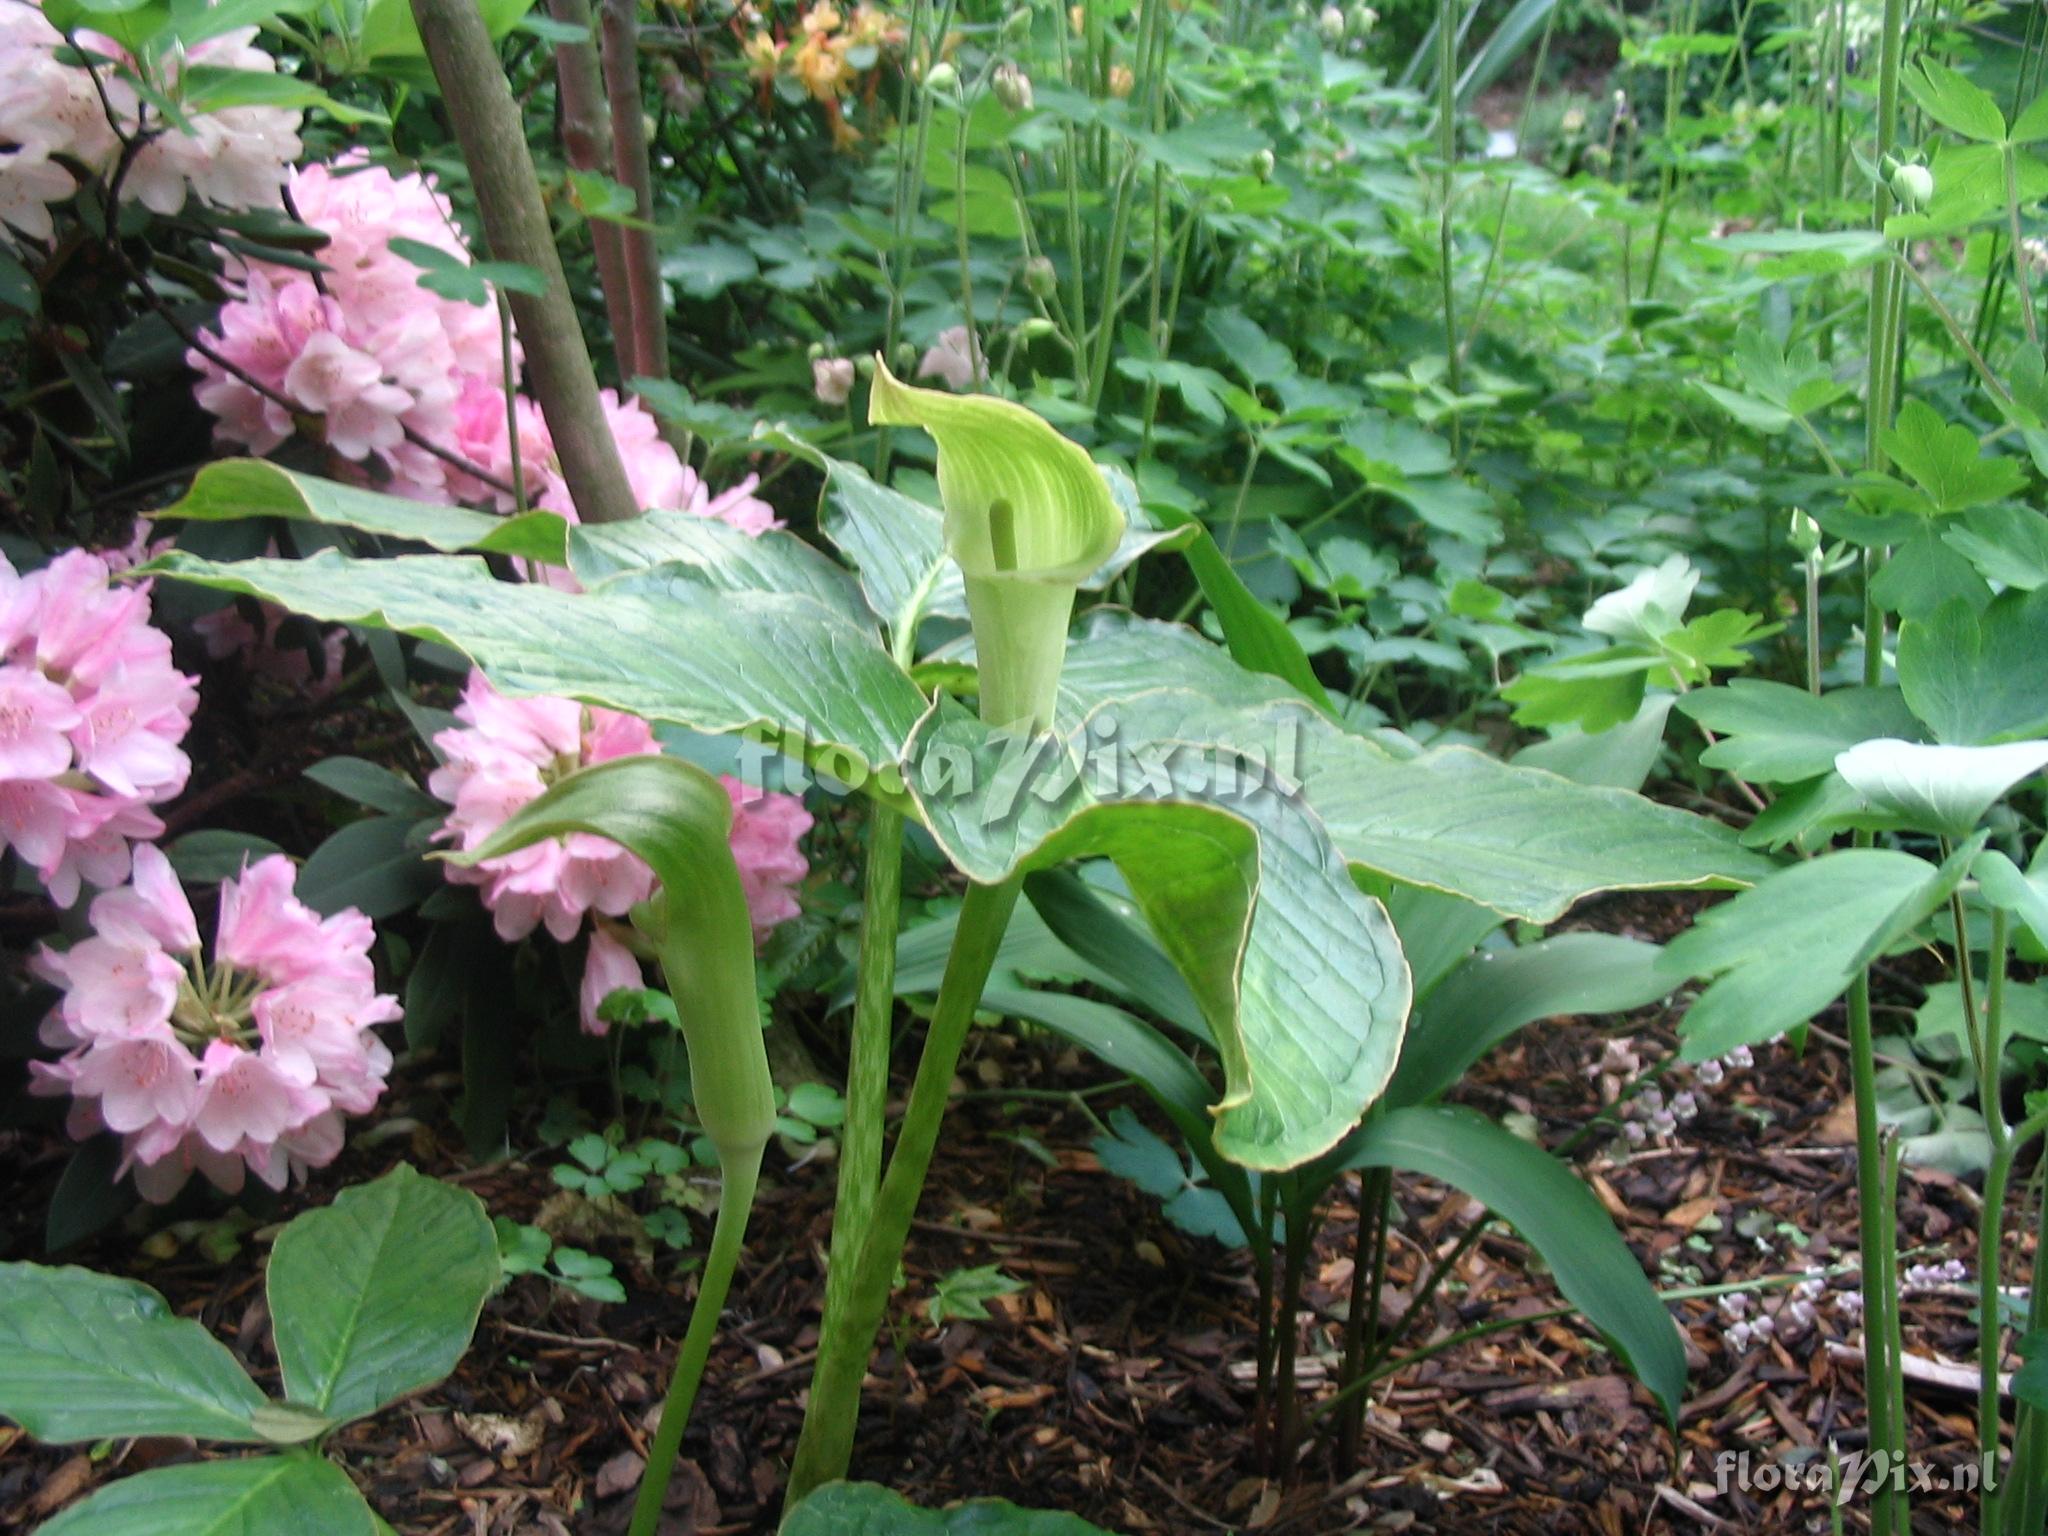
column 1555, row 1213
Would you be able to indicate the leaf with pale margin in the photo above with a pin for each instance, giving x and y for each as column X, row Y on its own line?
column 238, row 488
column 720, row 665
column 1941, row 789
column 1787, row 949
column 1297, row 972
column 645, row 554
column 257, row 1496
column 1555, row 1213
column 85, row 1356
column 1775, row 734
column 1519, row 840
column 867, row 1509
column 1977, row 678
column 377, row 1295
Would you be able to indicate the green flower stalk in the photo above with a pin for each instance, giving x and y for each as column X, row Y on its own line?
column 1027, row 519
column 678, row 819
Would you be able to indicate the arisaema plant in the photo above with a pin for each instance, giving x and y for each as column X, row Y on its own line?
column 1255, row 836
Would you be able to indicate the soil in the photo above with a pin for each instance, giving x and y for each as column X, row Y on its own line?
column 1117, row 1383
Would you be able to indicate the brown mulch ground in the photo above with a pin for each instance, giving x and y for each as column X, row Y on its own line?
column 1116, row 1384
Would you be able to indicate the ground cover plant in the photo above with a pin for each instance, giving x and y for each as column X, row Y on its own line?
column 1143, row 767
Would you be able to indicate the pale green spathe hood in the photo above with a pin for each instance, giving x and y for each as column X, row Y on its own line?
column 1027, row 518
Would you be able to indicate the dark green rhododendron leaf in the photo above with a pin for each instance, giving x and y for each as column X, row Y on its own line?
column 86, row 1356
column 1558, row 1216
column 238, row 488
column 866, row 1509
column 257, row 1496
column 377, row 1295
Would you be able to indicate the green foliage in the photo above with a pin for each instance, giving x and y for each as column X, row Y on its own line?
column 371, row 1298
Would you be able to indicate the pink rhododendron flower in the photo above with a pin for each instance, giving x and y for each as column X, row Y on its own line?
column 507, row 751
column 374, row 354
column 91, row 717
column 767, row 834
column 658, row 476
column 51, row 110
column 244, row 1064
column 607, row 968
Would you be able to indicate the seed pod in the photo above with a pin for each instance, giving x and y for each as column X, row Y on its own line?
column 1040, row 280
column 1012, row 87
column 1913, row 186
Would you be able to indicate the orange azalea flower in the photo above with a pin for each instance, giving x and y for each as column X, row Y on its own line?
column 763, row 55
column 822, row 18
column 819, row 65
column 1120, row 81
column 874, row 27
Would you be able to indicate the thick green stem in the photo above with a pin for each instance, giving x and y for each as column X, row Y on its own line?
column 738, row 1174
column 492, row 134
column 1362, row 1327
column 867, row 1063
column 825, row 1447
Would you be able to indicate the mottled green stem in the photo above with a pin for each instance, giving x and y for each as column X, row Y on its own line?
column 825, row 1447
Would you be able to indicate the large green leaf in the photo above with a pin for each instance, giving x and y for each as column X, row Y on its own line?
column 1298, row 974
column 1940, row 789
column 636, row 555
column 1497, row 991
column 867, row 1509
column 377, row 1295
column 238, row 488
column 86, row 1356
column 1518, row 840
column 1785, row 950
column 1558, row 1216
column 713, row 662
column 256, row 1496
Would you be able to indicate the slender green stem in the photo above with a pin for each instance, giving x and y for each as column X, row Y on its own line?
column 738, row 1176
column 825, row 1447
column 1447, row 154
column 1878, row 1299
column 2020, row 280
column 867, row 1065
column 1361, row 1328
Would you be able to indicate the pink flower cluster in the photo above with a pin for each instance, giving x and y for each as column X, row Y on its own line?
column 91, row 716
column 374, row 353
column 507, row 751
column 377, row 356
column 246, row 1065
column 51, row 112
